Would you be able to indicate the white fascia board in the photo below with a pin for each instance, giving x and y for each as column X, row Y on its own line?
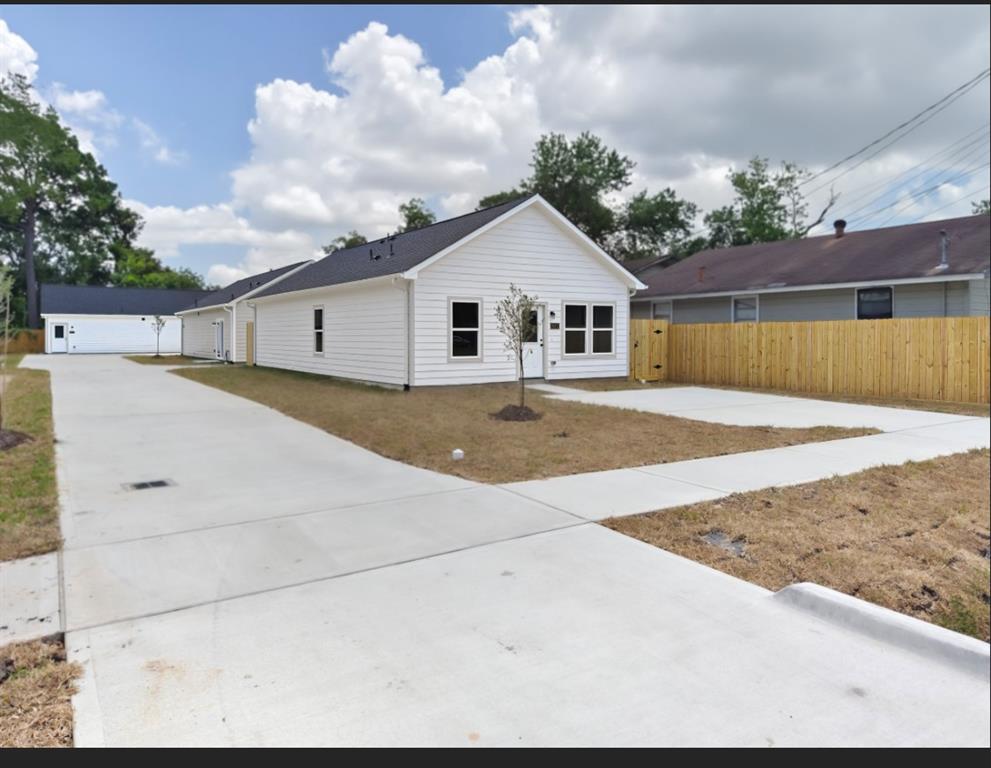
column 249, row 294
column 817, row 287
column 628, row 278
column 58, row 315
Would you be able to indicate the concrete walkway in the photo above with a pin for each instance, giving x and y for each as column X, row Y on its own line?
column 29, row 598
column 907, row 436
column 750, row 409
column 288, row 587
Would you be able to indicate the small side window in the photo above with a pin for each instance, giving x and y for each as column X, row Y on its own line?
column 318, row 330
column 745, row 309
column 873, row 303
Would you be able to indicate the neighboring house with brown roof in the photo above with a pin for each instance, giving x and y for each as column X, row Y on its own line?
column 933, row 269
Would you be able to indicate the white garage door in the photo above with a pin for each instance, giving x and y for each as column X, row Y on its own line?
column 123, row 335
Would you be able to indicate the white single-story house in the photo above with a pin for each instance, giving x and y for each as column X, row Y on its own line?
column 105, row 319
column 419, row 308
column 207, row 322
column 931, row 269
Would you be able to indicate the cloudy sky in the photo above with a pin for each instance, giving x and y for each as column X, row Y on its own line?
column 249, row 136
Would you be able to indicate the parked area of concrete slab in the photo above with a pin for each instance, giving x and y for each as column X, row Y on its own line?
column 750, row 409
column 29, row 598
column 287, row 587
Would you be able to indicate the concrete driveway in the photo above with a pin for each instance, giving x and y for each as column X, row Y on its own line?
column 288, row 587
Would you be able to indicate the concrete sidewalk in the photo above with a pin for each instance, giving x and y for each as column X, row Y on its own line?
column 289, row 587
column 617, row 492
column 750, row 409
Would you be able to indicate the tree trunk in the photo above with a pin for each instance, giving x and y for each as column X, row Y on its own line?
column 30, row 275
column 522, row 381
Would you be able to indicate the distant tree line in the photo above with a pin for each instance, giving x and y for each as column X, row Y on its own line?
column 579, row 177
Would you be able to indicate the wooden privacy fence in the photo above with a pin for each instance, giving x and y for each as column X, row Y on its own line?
column 24, row 342
column 937, row 358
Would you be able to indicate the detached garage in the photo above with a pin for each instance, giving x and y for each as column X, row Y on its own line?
column 81, row 319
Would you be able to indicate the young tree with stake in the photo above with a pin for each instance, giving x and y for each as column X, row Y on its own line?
column 515, row 318
column 6, row 296
column 157, row 324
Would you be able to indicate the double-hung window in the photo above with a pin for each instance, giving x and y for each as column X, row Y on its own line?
column 602, row 329
column 318, row 330
column 466, row 329
column 745, row 309
column 589, row 328
column 873, row 303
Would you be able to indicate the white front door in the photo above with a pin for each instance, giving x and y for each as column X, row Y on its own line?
column 218, row 339
column 533, row 348
column 60, row 337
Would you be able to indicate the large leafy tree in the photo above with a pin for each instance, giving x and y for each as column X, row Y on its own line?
column 768, row 206
column 415, row 215
column 653, row 225
column 61, row 217
column 139, row 268
column 350, row 240
column 575, row 177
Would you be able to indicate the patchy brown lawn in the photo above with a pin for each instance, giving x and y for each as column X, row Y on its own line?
column 28, row 494
column 913, row 538
column 167, row 360
column 423, row 426
column 36, row 683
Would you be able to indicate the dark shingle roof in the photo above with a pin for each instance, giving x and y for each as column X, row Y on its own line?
column 892, row 253
column 240, row 287
column 112, row 300
column 388, row 256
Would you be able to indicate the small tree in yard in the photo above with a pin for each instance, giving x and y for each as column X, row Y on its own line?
column 157, row 324
column 514, row 316
column 6, row 296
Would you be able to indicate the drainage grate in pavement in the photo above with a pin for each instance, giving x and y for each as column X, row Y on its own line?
column 143, row 486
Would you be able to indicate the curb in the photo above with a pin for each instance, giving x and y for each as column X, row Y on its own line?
column 965, row 653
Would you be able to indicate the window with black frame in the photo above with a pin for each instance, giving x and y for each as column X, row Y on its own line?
column 318, row 330
column 874, row 303
column 465, row 329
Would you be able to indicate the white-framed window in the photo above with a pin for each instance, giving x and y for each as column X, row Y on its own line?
column 875, row 303
column 603, row 329
column 318, row 330
column 576, row 329
column 745, row 309
column 465, row 323
column 589, row 328
column 661, row 310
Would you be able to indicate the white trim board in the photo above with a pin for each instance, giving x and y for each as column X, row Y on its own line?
column 817, row 287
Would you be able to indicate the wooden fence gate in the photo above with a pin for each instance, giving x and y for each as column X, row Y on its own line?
column 649, row 350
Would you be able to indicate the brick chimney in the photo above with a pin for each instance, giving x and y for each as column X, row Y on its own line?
column 840, row 226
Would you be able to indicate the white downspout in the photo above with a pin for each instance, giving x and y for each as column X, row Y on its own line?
column 232, row 310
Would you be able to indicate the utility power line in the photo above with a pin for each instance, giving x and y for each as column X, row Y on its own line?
column 938, row 106
column 955, row 202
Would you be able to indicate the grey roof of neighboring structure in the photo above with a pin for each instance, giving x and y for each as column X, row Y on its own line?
column 388, row 255
column 113, row 300
column 870, row 255
column 240, row 287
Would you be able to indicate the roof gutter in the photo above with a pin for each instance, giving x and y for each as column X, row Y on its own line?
column 815, row 287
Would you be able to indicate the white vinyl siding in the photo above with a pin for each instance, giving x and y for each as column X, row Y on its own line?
column 115, row 334
column 364, row 331
column 540, row 257
column 198, row 335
